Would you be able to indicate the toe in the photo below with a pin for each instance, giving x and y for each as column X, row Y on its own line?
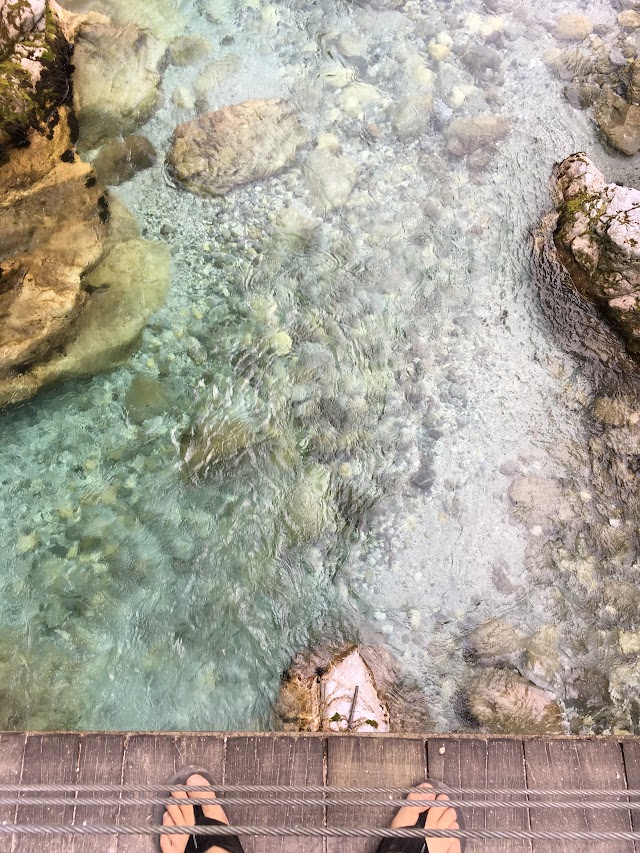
column 408, row 815
column 172, row 843
column 213, row 812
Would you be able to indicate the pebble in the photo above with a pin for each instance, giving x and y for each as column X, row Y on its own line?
column 27, row 543
column 439, row 52
column 629, row 19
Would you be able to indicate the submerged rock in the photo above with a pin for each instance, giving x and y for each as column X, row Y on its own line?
column 331, row 178
column 318, row 691
column 120, row 159
column 598, row 240
column 116, row 80
column 235, row 145
column 466, row 135
column 188, row 50
column 619, row 121
column 412, row 116
column 495, row 642
column 503, row 702
column 146, row 398
column 572, row 27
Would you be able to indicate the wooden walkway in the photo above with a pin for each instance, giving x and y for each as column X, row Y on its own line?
column 345, row 760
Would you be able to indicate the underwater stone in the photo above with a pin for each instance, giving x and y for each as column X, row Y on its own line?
column 572, row 27
column 495, row 642
column 503, row 702
column 411, row 117
column 543, row 664
column 331, row 177
column 614, row 411
column 629, row 19
column 187, row 50
column 120, row 159
column 466, row 135
column 182, row 98
column 619, row 121
column 215, row 438
column 146, row 397
column 539, row 500
column 309, row 505
column 235, row 145
column 116, row 80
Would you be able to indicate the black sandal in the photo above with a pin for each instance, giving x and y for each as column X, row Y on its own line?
column 198, row 843
column 417, row 845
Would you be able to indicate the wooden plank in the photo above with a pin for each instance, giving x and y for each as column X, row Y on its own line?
column 564, row 764
column 152, row 759
column 11, row 754
column 370, row 762
column 263, row 760
column 100, row 762
column 481, row 764
column 631, row 757
column 48, row 760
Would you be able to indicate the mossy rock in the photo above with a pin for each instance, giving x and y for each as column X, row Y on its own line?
column 34, row 77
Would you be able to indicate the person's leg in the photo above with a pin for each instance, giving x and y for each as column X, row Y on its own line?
column 437, row 818
column 182, row 814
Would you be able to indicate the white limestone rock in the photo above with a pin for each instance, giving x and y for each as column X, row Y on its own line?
column 598, row 239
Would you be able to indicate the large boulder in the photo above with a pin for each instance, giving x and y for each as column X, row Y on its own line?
column 34, row 66
column 341, row 696
column 598, row 240
column 468, row 134
column 77, row 283
column 235, row 145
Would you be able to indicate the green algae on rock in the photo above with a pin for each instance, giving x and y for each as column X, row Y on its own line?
column 316, row 693
column 78, row 283
column 235, row 145
column 34, row 66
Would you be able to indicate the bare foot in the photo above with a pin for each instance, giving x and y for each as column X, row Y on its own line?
column 437, row 818
column 182, row 814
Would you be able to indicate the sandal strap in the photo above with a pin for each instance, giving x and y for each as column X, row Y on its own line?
column 200, row 843
column 406, row 845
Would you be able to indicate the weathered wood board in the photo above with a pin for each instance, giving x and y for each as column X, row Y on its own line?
column 577, row 764
column 300, row 760
column 484, row 764
column 369, row 762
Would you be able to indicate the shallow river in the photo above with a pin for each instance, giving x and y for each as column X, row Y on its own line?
column 375, row 373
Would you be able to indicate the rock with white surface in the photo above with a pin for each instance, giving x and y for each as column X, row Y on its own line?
column 598, row 240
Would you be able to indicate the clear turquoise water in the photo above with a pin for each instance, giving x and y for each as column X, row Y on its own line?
column 331, row 366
